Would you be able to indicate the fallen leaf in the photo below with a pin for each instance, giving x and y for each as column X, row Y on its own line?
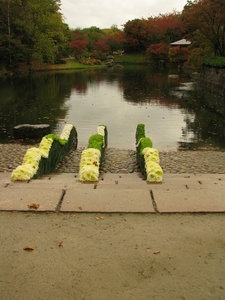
column 60, row 244
column 33, row 206
column 79, row 207
column 99, row 218
column 30, row 248
column 221, row 287
column 156, row 252
column 136, row 247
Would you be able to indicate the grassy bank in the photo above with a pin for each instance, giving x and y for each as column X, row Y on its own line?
column 131, row 59
column 72, row 64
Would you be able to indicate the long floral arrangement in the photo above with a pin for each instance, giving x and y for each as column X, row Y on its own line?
column 91, row 158
column 147, row 157
column 43, row 160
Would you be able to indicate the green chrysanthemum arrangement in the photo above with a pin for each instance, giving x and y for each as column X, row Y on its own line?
column 91, row 157
column 43, row 160
column 147, row 157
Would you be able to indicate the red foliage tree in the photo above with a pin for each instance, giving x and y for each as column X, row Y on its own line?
column 101, row 46
column 78, row 43
column 141, row 33
column 205, row 21
column 158, row 51
column 136, row 35
column 77, row 47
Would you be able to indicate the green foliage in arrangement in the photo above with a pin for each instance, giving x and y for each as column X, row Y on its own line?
column 59, row 149
column 144, row 142
column 56, row 138
column 141, row 142
column 43, row 160
column 91, row 158
column 96, row 141
column 216, row 61
column 140, row 132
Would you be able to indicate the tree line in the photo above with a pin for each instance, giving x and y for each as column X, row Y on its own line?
column 35, row 31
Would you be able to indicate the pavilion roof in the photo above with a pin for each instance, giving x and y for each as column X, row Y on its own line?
column 182, row 42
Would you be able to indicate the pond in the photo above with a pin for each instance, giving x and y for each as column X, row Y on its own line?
column 165, row 100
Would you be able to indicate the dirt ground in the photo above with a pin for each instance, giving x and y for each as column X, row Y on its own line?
column 112, row 256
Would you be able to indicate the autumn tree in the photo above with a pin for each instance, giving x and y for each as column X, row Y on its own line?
column 141, row 34
column 158, row 51
column 205, row 21
column 78, row 43
column 114, row 38
column 168, row 27
column 101, row 47
column 136, row 35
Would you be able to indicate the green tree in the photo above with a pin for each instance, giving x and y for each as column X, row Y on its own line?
column 92, row 35
column 32, row 30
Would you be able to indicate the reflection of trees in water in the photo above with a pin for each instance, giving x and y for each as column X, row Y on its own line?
column 206, row 126
column 142, row 85
column 34, row 100
column 147, row 85
column 42, row 99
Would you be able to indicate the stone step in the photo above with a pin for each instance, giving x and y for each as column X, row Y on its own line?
column 115, row 193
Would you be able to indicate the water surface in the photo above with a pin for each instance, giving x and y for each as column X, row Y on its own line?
column 119, row 98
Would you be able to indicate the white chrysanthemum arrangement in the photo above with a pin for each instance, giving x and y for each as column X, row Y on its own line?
column 153, row 170
column 147, row 157
column 91, row 157
column 34, row 156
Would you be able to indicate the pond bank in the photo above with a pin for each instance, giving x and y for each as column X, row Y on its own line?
column 124, row 161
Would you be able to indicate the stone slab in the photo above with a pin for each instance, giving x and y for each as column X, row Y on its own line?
column 107, row 200
column 191, row 181
column 190, row 193
column 111, row 178
column 189, row 200
column 18, row 199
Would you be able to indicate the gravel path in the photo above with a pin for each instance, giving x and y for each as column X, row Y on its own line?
column 124, row 161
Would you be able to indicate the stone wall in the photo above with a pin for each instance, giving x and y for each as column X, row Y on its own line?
column 211, row 84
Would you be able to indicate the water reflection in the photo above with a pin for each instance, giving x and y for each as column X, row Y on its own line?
column 120, row 98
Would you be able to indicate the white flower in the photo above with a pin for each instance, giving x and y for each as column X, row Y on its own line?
column 101, row 130
column 45, row 146
column 151, row 154
column 91, row 152
column 23, row 172
column 89, row 173
column 154, row 172
column 66, row 132
column 32, row 155
column 89, row 165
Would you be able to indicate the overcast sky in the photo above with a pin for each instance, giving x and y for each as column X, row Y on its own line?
column 105, row 13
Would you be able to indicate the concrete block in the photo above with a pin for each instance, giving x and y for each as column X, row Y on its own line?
column 107, row 200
